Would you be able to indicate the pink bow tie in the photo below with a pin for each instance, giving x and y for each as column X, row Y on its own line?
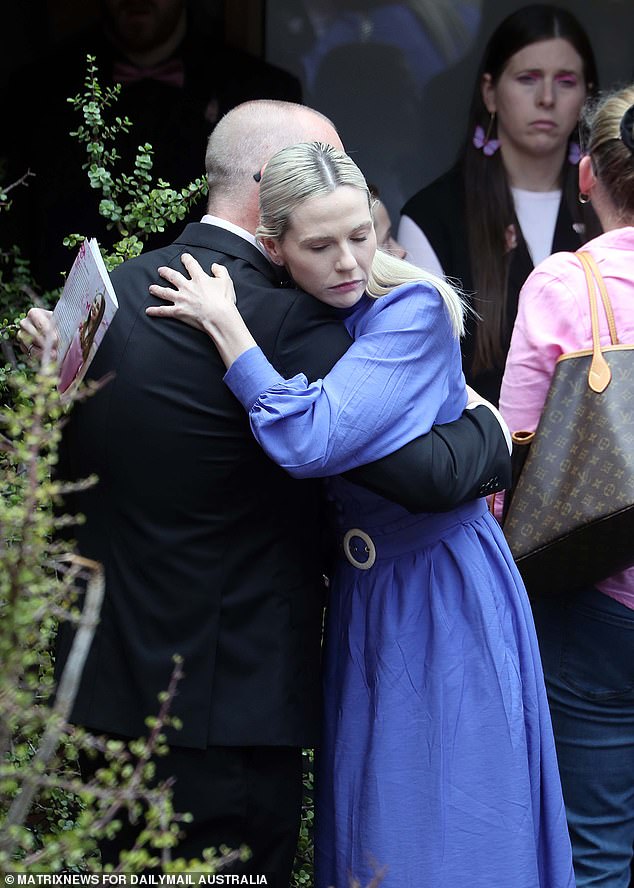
column 170, row 72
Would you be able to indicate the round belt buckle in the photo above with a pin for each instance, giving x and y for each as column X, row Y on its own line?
column 351, row 550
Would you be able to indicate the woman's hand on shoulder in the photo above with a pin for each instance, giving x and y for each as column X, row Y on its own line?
column 206, row 302
column 200, row 300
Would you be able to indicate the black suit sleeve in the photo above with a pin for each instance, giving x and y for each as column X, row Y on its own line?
column 453, row 463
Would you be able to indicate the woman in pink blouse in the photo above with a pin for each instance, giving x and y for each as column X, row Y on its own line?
column 587, row 640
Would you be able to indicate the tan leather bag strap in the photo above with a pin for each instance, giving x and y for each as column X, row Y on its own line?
column 599, row 375
column 591, row 263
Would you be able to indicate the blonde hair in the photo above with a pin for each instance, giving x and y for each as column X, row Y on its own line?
column 314, row 169
column 612, row 159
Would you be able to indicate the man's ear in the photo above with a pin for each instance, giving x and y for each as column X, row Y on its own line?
column 272, row 247
column 587, row 179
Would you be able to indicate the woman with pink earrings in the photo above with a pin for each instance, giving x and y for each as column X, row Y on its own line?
column 511, row 200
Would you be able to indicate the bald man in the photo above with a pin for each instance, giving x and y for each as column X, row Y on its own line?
column 210, row 550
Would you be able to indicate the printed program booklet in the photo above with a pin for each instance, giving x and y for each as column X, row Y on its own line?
column 83, row 314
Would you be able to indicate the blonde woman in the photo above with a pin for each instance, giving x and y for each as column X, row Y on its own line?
column 437, row 759
column 587, row 640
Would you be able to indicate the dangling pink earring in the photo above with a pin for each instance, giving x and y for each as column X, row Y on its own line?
column 484, row 142
column 574, row 153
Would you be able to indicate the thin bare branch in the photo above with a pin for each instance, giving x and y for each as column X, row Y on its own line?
column 20, row 181
column 66, row 692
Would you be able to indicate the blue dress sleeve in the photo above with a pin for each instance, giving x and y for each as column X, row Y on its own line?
column 401, row 374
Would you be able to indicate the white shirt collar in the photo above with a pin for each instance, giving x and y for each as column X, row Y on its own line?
column 234, row 229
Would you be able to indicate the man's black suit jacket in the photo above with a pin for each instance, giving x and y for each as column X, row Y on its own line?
column 210, row 550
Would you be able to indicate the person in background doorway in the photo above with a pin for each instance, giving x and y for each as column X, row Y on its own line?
column 385, row 239
column 177, row 79
column 511, row 199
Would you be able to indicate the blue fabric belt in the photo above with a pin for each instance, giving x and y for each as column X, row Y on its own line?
column 374, row 544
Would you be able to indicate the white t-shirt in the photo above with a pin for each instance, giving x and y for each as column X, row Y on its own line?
column 536, row 212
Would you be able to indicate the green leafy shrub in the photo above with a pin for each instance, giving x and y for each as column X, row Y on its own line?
column 49, row 818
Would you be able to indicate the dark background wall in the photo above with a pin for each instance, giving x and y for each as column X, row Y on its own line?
column 403, row 131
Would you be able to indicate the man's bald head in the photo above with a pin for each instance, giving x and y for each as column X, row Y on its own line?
column 241, row 144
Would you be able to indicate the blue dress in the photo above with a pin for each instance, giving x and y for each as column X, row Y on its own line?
column 437, row 765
